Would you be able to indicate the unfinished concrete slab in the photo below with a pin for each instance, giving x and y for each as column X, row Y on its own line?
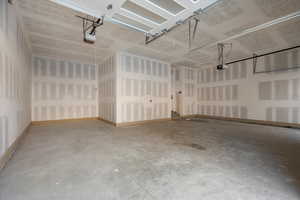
column 204, row 159
column 137, row 68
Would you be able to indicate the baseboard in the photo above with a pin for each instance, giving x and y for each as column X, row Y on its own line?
column 12, row 149
column 124, row 124
column 248, row 121
column 107, row 121
column 42, row 123
column 189, row 116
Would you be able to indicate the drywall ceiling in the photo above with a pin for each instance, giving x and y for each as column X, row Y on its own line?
column 54, row 30
column 148, row 16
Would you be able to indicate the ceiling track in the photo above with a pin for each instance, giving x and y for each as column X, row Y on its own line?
column 69, row 4
column 152, row 37
column 263, row 55
column 252, row 30
column 149, row 37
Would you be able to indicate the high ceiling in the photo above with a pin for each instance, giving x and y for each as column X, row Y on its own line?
column 53, row 30
column 148, row 16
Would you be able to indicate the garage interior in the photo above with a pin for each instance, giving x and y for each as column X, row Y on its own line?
column 149, row 99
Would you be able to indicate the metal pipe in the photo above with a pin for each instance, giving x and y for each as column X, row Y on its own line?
column 162, row 34
column 195, row 28
column 262, row 55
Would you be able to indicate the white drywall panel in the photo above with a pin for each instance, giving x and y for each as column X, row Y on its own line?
column 63, row 89
column 238, row 93
column 107, row 89
column 15, row 77
column 143, row 88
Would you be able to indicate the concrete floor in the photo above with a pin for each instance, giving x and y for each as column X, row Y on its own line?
column 172, row 160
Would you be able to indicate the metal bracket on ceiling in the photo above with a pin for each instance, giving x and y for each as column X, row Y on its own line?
column 221, row 47
column 89, row 26
column 195, row 16
column 192, row 36
column 91, row 23
column 254, row 62
column 151, row 37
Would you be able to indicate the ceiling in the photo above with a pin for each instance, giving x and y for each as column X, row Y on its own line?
column 148, row 16
column 53, row 30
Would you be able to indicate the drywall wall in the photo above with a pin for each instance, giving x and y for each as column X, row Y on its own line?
column 238, row 93
column 177, row 82
column 15, row 75
column 143, row 88
column 130, row 88
column 107, row 89
column 63, row 89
